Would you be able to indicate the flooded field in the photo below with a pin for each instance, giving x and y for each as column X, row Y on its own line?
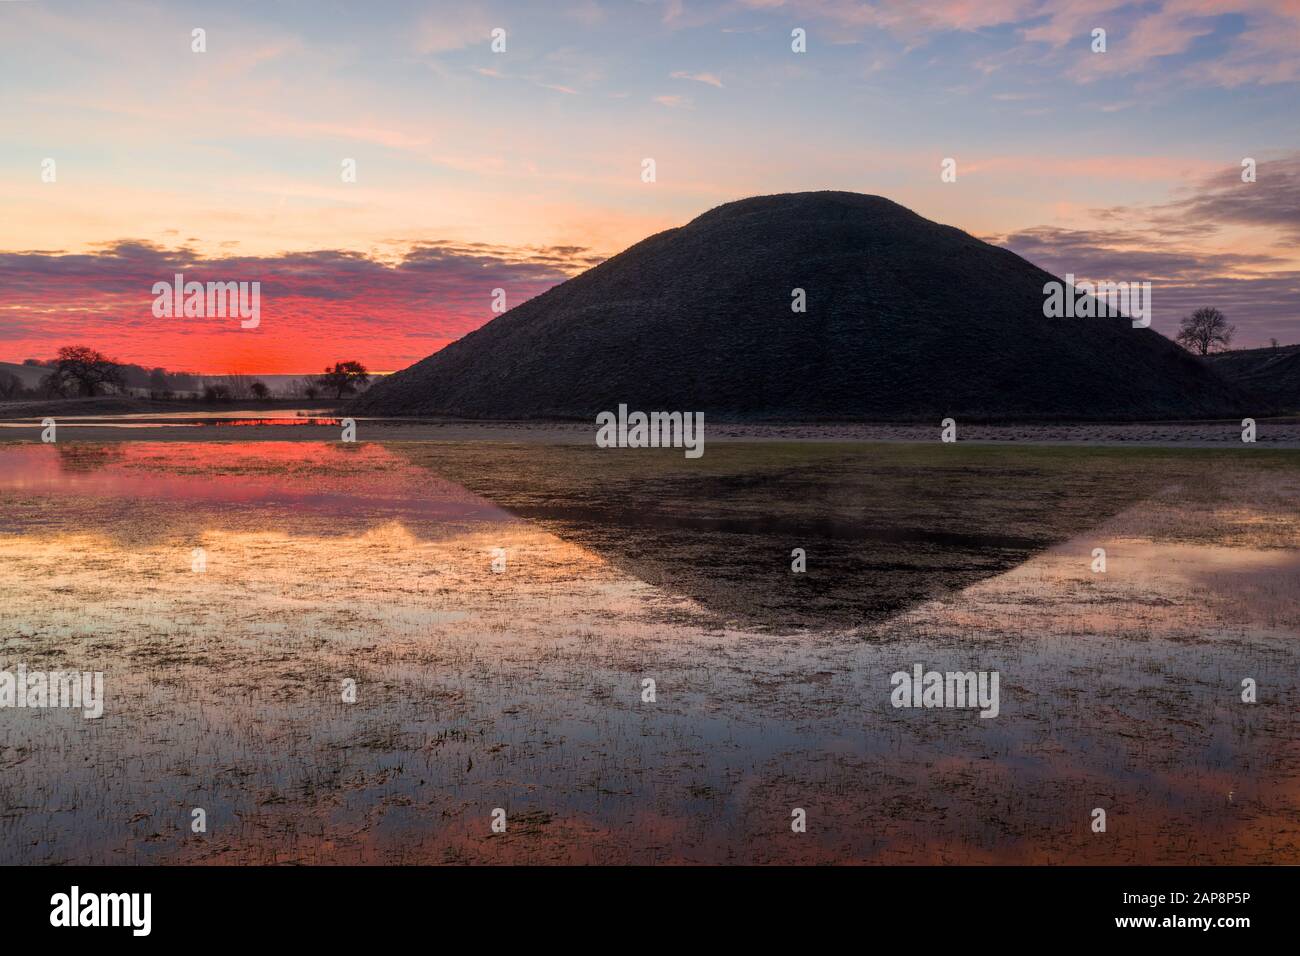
column 499, row 606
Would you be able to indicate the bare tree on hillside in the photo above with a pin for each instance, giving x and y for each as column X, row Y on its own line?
column 1205, row 331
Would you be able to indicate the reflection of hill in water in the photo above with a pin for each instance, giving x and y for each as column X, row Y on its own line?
column 884, row 527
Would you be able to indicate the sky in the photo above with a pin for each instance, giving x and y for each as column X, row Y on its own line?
column 126, row 156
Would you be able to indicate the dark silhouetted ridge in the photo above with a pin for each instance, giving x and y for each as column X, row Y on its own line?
column 906, row 319
column 1270, row 375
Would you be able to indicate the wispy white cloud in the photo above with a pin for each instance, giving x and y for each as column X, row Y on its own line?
column 674, row 102
column 711, row 79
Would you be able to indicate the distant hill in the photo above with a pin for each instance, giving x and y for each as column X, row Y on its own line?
column 29, row 375
column 906, row 319
column 1271, row 374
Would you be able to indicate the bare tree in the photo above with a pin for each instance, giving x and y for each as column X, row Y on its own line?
column 1205, row 331
column 81, row 370
column 216, row 392
column 239, row 385
column 259, row 390
column 11, row 386
column 344, row 378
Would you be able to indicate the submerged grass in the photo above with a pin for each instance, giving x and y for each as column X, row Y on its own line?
column 523, row 689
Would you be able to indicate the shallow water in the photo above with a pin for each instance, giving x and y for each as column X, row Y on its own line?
column 520, row 686
column 197, row 418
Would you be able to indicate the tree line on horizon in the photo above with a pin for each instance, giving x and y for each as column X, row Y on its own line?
column 79, row 371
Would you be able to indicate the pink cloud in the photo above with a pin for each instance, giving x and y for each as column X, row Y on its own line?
column 316, row 307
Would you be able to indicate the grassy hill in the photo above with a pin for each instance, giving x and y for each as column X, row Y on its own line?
column 1271, row 374
column 906, row 319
